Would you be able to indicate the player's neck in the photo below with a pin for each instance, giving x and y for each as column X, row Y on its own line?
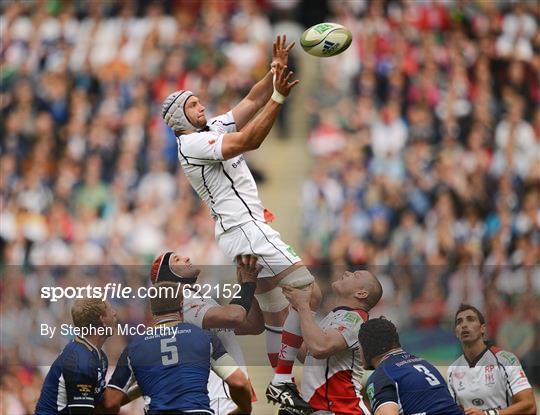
column 352, row 303
column 96, row 341
column 472, row 350
column 381, row 359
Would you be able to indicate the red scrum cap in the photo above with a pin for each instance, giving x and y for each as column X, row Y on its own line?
column 161, row 271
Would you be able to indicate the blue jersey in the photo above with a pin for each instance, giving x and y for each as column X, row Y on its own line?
column 414, row 384
column 75, row 381
column 171, row 369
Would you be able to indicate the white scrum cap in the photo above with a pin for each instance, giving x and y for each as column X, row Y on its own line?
column 173, row 112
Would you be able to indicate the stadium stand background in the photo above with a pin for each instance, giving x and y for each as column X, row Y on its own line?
column 415, row 153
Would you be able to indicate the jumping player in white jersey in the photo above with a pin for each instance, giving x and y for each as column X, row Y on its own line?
column 486, row 380
column 211, row 154
column 240, row 316
column 332, row 367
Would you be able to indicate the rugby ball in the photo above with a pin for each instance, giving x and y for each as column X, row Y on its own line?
column 326, row 39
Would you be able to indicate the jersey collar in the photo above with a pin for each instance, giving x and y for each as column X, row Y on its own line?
column 472, row 363
column 364, row 314
column 81, row 339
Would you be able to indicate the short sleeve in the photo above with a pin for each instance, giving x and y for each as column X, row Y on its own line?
column 218, row 349
column 201, row 148
column 517, row 380
column 80, row 380
column 223, row 123
column 381, row 390
column 196, row 308
column 450, row 382
column 123, row 376
column 348, row 324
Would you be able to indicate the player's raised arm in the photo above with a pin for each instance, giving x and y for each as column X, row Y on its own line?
column 254, row 133
column 260, row 92
column 235, row 313
column 320, row 343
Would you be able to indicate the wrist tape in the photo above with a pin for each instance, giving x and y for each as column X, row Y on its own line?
column 276, row 96
column 247, row 291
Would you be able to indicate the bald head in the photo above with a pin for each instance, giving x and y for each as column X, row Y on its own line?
column 358, row 288
column 374, row 288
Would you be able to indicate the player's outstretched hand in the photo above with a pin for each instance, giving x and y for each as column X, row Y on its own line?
column 283, row 80
column 280, row 52
column 247, row 268
column 298, row 297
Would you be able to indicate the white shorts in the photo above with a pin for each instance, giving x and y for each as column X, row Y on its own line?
column 258, row 239
column 222, row 406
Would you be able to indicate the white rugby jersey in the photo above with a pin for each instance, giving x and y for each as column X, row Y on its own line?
column 333, row 384
column 194, row 311
column 226, row 186
column 489, row 382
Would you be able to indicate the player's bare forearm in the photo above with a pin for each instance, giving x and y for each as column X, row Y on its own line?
column 523, row 404
column 241, row 396
column 318, row 342
column 252, row 136
column 261, row 92
column 225, row 317
column 240, row 390
column 254, row 322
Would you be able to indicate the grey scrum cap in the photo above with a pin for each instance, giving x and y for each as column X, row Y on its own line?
column 173, row 112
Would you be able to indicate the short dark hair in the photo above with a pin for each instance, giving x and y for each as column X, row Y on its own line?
column 169, row 298
column 464, row 307
column 377, row 336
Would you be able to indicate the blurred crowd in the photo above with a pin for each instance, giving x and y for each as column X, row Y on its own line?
column 89, row 171
column 426, row 136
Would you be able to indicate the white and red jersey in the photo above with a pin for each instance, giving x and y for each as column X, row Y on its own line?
column 333, row 384
column 226, row 186
column 194, row 311
column 489, row 382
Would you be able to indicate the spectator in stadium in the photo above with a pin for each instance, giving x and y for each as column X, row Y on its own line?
column 400, row 382
column 486, row 380
column 328, row 377
column 171, row 381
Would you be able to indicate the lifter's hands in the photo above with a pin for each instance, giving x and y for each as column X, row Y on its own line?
column 283, row 83
column 247, row 268
column 280, row 52
column 298, row 298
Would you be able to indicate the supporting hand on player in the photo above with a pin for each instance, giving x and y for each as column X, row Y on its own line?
column 298, row 297
column 474, row 411
column 282, row 82
column 280, row 52
column 247, row 268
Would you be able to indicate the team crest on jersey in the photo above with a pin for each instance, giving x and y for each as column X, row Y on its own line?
column 84, row 388
column 370, row 391
column 459, row 375
column 489, row 375
column 351, row 318
column 477, row 402
column 212, row 141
